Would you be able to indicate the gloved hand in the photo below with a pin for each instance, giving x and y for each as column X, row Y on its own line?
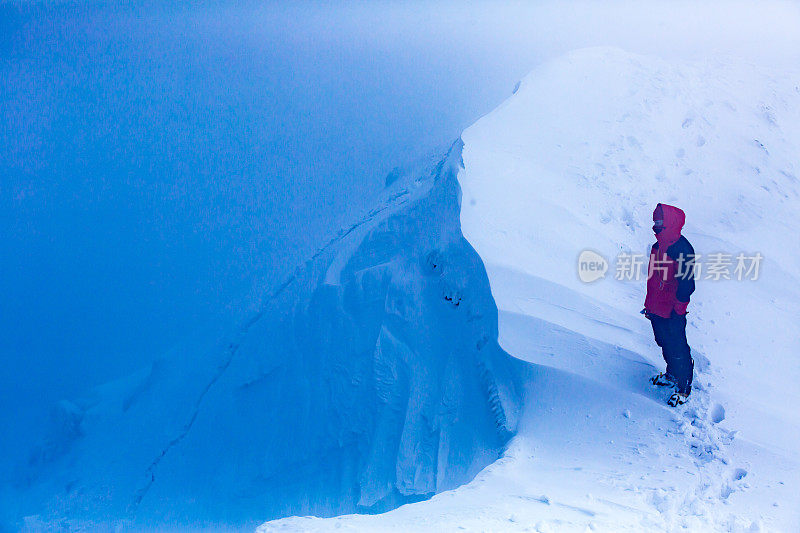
column 680, row 307
column 646, row 313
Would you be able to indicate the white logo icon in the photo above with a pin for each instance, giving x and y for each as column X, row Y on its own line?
column 591, row 266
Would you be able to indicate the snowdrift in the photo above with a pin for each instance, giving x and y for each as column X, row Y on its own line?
column 371, row 378
column 576, row 160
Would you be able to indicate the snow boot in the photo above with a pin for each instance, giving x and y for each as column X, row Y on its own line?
column 677, row 398
column 662, row 380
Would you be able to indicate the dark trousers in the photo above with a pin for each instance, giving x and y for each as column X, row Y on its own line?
column 670, row 334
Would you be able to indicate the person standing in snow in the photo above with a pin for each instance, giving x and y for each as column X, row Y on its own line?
column 670, row 283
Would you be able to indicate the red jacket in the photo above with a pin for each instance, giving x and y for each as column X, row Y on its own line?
column 670, row 280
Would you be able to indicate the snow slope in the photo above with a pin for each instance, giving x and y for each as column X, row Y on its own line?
column 370, row 378
column 580, row 158
column 576, row 159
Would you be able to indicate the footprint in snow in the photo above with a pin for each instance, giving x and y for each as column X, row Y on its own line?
column 739, row 474
column 717, row 413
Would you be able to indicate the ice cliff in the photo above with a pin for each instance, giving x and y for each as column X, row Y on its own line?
column 370, row 378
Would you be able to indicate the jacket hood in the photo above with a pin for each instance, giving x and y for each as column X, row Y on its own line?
column 674, row 219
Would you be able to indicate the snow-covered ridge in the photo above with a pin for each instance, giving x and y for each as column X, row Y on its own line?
column 371, row 378
column 577, row 159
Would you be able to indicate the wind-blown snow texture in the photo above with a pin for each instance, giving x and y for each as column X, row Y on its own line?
column 370, row 378
column 577, row 158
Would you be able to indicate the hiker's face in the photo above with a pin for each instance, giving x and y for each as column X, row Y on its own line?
column 658, row 226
